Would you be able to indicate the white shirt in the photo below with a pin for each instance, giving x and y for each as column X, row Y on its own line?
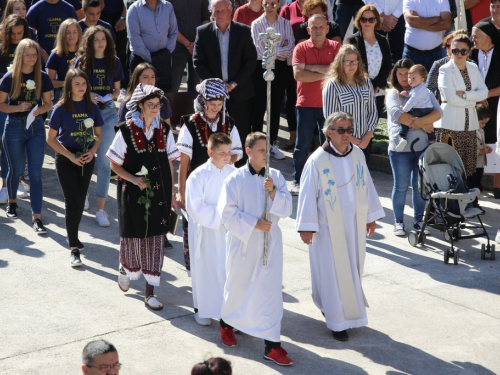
column 284, row 48
column 484, row 60
column 419, row 38
column 374, row 58
column 388, row 7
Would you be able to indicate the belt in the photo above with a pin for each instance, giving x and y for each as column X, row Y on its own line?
column 426, row 52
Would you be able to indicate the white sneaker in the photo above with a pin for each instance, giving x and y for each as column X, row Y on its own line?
column 401, row 145
column 26, row 176
column 202, row 321
column 497, row 238
column 295, row 189
column 122, row 95
column 21, row 192
column 275, row 152
column 86, row 205
column 4, row 196
column 399, row 229
column 101, row 217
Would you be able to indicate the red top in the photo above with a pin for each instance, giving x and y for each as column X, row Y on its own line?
column 309, row 94
column 246, row 15
column 293, row 13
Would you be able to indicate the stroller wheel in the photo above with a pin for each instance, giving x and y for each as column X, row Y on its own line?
column 456, row 256
column 483, row 251
column 492, row 252
column 413, row 238
column 446, row 255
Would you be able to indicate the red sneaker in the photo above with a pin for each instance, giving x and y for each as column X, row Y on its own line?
column 279, row 356
column 227, row 337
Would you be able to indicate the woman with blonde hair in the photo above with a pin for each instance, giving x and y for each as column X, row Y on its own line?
column 67, row 43
column 347, row 88
column 23, row 90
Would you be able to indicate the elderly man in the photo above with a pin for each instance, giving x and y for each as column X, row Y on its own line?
column 426, row 22
column 224, row 49
column 337, row 208
column 100, row 357
column 152, row 33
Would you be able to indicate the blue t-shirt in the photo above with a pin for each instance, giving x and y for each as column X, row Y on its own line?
column 6, row 84
column 46, row 18
column 101, row 83
column 76, row 4
column 69, row 125
column 5, row 64
column 100, row 23
column 60, row 64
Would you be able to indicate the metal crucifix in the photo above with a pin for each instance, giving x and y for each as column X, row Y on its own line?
column 270, row 39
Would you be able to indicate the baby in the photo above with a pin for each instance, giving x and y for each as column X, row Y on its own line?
column 418, row 105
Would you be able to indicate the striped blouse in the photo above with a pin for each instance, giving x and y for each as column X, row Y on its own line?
column 284, row 48
column 359, row 101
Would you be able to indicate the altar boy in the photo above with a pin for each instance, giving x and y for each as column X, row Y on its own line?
column 253, row 302
column 207, row 248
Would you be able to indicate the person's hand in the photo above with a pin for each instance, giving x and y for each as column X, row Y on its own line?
column 484, row 102
column 385, row 27
column 391, row 21
column 376, row 89
column 363, row 144
column 307, row 237
column 36, row 113
column 403, row 93
column 120, row 25
column 174, row 205
column 428, row 128
column 355, row 141
column 77, row 161
column 229, row 87
column 460, row 93
column 138, row 181
column 370, row 228
column 190, row 47
column 87, row 157
column 94, row 97
column 414, row 13
column 268, row 184
column 24, row 107
column 263, row 225
column 417, row 123
column 181, row 201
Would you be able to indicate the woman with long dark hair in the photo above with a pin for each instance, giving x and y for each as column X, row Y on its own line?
column 17, row 7
column 96, row 56
column 75, row 135
column 21, row 89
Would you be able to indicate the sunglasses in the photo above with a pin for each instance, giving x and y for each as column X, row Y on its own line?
column 274, row 5
column 462, row 52
column 343, row 131
column 365, row 20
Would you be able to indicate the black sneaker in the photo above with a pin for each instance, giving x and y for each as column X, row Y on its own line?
column 78, row 244
column 75, row 258
column 12, row 210
column 38, row 227
column 168, row 245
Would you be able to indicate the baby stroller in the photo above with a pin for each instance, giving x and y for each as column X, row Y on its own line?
column 442, row 183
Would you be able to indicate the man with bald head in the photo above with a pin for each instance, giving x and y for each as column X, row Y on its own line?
column 224, row 49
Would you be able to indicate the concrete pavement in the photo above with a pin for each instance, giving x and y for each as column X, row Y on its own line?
column 425, row 317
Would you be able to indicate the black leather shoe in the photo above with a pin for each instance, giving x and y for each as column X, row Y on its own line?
column 38, row 227
column 340, row 336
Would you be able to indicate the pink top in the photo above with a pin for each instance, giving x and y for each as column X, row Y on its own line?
column 293, row 13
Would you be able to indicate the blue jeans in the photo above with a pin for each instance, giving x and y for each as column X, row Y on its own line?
column 3, row 159
column 110, row 117
column 180, row 58
column 405, row 168
column 425, row 59
column 20, row 143
column 307, row 119
column 343, row 16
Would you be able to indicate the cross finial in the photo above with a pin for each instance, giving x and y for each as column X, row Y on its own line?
column 270, row 39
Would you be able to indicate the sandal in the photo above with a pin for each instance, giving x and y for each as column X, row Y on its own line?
column 153, row 303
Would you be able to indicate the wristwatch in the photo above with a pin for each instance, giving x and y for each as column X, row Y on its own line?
column 123, row 18
column 464, row 96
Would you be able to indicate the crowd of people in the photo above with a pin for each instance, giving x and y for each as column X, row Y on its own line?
column 416, row 62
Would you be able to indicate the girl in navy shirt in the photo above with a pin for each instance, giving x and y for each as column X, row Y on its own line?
column 73, row 168
column 17, row 7
column 67, row 42
column 21, row 89
column 96, row 56
column 15, row 28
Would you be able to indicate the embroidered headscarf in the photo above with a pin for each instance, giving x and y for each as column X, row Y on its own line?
column 211, row 89
column 140, row 92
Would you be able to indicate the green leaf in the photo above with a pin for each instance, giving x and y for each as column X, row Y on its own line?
column 78, row 154
column 151, row 194
column 148, row 204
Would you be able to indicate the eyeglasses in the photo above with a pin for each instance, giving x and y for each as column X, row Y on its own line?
column 343, row 131
column 462, row 52
column 350, row 62
column 154, row 106
column 274, row 5
column 365, row 20
column 106, row 368
column 34, row 56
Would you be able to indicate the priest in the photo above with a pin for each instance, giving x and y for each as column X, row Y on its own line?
column 337, row 209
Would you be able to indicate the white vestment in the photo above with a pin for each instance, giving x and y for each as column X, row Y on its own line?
column 207, row 248
column 312, row 216
column 253, row 301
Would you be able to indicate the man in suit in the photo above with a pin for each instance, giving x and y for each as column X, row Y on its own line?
column 224, row 49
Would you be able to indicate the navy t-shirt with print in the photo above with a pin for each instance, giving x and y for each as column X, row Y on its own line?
column 101, row 83
column 60, row 64
column 6, row 84
column 46, row 18
column 76, row 3
column 106, row 25
column 69, row 125
column 4, row 64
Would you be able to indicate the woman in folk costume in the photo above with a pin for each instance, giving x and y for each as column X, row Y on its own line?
column 141, row 155
column 210, row 117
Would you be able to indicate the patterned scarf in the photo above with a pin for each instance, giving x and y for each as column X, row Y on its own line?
column 140, row 92
column 210, row 89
